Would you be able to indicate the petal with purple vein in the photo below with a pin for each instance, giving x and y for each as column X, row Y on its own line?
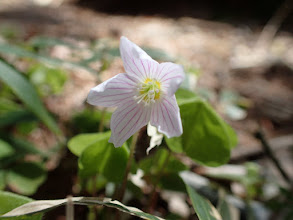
column 166, row 117
column 127, row 120
column 113, row 92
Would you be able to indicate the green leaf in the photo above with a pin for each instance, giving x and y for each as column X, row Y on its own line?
column 89, row 120
column 163, row 167
column 6, row 149
column 227, row 211
column 25, row 147
column 7, row 104
column 80, row 142
column 102, row 157
column 10, row 49
column 26, row 177
column 161, row 162
column 2, row 179
column 97, row 155
column 47, row 80
column 158, row 54
column 175, row 144
column 26, row 92
column 14, row 117
column 172, row 181
column 203, row 208
column 206, row 138
column 9, row 201
column 45, row 205
column 42, row 42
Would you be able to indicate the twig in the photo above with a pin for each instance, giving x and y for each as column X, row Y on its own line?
column 269, row 31
column 267, row 149
column 69, row 209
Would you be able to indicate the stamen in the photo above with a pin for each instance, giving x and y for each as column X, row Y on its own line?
column 148, row 91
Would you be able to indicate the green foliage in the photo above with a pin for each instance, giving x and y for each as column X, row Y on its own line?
column 44, row 42
column 47, row 80
column 203, row 208
column 42, row 206
column 22, row 177
column 26, row 92
column 163, row 168
column 6, row 149
column 98, row 156
column 228, row 211
column 89, row 120
column 26, row 177
column 2, row 179
column 9, row 201
column 20, row 52
column 206, row 138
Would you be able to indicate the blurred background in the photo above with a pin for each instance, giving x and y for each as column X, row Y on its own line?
column 238, row 55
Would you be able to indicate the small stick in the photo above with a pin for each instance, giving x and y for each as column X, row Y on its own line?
column 269, row 31
column 69, row 209
column 267, row 149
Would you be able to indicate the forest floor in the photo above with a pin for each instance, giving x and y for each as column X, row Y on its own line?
column 227, row 56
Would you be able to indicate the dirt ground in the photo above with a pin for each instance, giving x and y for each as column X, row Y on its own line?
column 228, row 56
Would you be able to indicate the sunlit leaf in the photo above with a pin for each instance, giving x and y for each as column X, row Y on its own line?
column 97, row 155
column 102, row 157
column 47, row 80
column 80, row 142
column 26, row 92
column 206, row 138
column 6, row 149
column 203, row 208
column 44, row 205
column 9, row 201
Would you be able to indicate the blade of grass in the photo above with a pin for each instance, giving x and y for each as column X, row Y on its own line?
column 27, row 94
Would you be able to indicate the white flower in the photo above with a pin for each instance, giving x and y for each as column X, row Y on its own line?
column 145, row 93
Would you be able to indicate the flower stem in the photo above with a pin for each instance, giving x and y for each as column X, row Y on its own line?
column 101, row 125
column 128, row 167
column 154, row 197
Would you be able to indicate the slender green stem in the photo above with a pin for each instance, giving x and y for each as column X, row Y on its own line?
column 128, row 167
column 119, row 194
column 103, row 114
column 153, row 197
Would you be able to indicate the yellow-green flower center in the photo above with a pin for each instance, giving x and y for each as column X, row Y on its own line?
column 149, row 91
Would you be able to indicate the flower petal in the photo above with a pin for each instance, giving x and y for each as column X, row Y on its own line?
column 166, row 117
column 127, row 120
column 170, row 75
column 113, row 92
column 137, row 63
